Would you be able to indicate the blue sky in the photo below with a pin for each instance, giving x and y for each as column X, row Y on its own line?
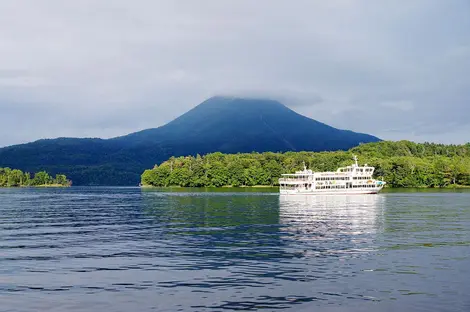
column 394, row 69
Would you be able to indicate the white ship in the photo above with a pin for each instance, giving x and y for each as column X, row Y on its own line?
column 352, row 179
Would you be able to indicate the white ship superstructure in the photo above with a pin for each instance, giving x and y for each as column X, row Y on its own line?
column 352, row 179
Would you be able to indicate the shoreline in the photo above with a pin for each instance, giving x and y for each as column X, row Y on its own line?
column 38, row 186
column 277, row 186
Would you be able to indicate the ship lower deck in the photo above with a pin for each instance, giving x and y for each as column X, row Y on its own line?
column 352, row 191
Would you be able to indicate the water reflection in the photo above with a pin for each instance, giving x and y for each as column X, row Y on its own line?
column 211, row 210
column 266, row 226
column 219, row 225
column 333, row 224
column 347, row 214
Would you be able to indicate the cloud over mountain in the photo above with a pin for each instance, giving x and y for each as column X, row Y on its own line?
column 105, row 68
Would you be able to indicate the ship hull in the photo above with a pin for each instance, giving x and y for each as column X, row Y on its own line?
column 332, row 192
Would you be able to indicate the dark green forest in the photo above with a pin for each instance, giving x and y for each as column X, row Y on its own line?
column 17, row 178
column 400, row 164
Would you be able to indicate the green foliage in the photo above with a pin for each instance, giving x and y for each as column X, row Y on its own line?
column 400, row 164
column 16, row 178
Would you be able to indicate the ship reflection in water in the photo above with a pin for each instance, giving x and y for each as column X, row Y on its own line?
column 340, row 225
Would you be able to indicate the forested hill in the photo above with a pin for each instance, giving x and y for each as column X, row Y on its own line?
column 219, row 124
column 400, row 164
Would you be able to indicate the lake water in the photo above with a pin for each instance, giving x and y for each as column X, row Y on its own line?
column 127, row 249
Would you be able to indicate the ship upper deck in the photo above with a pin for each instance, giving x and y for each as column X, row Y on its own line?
column 343, row 172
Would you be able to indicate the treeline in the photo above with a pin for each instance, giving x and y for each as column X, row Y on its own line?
column 400, row 164
column 17, row 178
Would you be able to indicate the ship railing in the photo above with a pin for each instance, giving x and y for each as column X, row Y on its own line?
column 296, row 179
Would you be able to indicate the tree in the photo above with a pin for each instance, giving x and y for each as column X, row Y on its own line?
column 15, row 178
column 61, row 179
column 42, row 178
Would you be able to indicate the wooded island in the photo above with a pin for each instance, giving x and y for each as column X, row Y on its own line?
column 400, row 164
column 17, row 178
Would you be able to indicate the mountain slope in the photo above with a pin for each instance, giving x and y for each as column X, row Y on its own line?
column 224, row 124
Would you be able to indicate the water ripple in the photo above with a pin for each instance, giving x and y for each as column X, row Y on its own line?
column 215, row 251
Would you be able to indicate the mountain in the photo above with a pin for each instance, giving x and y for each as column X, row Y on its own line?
column 225, row 124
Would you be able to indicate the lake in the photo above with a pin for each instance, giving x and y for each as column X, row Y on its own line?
column 127, row 249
